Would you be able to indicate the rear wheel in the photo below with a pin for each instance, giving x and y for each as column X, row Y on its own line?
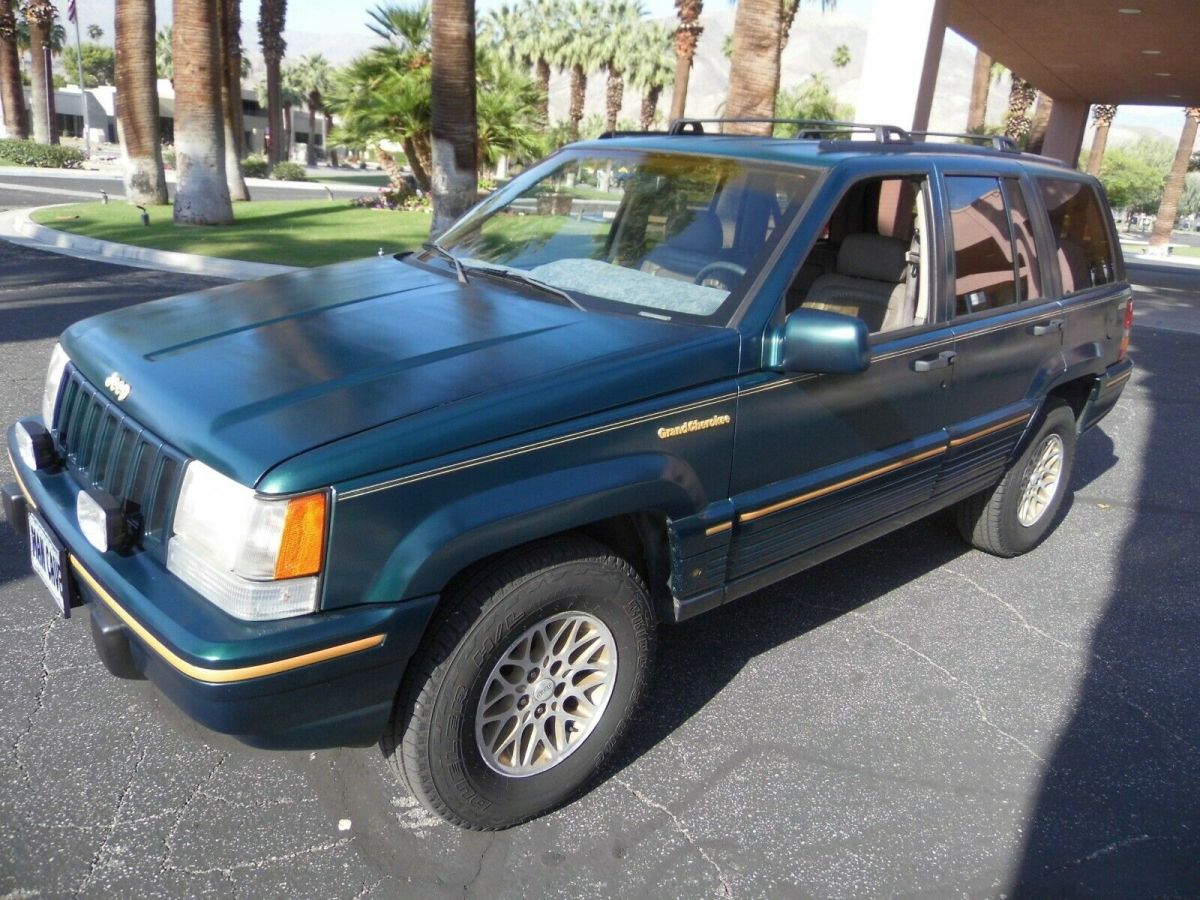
column 1016, row 515
column 524, row 685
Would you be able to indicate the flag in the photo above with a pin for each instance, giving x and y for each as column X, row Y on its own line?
column 71, row 11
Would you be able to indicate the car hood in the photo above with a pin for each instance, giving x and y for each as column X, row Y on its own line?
column 248, row 375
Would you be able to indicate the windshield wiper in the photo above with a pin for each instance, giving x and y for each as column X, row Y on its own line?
column 526, row 278
column 435, row 247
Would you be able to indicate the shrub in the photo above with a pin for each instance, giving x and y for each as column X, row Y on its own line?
column 168, row 154
column 404, row 199
column 289, row 171
column 255, row 166
column 43, row 156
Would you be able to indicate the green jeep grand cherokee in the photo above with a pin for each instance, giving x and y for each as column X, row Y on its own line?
column 443, row 500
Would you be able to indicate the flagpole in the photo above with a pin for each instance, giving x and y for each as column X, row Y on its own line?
column 73, row 15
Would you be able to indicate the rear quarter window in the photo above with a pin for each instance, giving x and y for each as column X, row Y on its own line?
column 1079, row 226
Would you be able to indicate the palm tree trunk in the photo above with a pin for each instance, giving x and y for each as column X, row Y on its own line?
column 754, row 70
column 1020, row 99
column 202, row 195
column 1103, row 117
column 12, row 97
column 578, row 93
column 542, row 69
column 1165, row 223
column 271, row 16
column 417, row 161
column 285, row 136
column 454, row 129
column 137, row 103
column 39, row 15
column 310, row 147
column 650, row 106
column 687, row 34
column 614, row 96
column 330, row 152
column 233, row 72
column 231, row 98
column 981, row 83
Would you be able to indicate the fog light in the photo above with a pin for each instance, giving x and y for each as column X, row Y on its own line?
column 101, row 520
column 35, row 446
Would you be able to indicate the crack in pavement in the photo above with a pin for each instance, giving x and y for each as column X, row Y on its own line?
column 726, row 890
column 470, row 883
column 98, row 856
column 255, row 864
column 38, row 699
column 168, row 848
column 1123, row 683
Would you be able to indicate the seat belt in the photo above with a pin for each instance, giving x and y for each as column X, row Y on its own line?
column 912, row 279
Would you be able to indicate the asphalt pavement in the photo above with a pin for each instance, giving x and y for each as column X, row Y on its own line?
column 913, row 718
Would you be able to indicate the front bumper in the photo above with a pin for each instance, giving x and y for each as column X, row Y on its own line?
column 320, row 680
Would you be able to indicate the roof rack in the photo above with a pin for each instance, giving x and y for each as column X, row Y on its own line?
column 605, row 135
column 812, row 129
column 996, row 141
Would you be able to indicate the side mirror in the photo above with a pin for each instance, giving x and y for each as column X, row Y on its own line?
column 814, row 340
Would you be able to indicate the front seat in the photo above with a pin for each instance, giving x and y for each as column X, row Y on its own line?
column 869, row 279
column 685, row 253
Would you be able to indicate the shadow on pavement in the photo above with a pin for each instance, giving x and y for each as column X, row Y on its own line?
column 1119, row 809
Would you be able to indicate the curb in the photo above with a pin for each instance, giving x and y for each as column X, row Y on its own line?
column 17, row 223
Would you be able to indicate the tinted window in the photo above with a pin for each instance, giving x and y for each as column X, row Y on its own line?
column 1029, row 276
column 1080, row 227
column 983, row 252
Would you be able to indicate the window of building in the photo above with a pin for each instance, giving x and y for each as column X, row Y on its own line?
column 984, row 274
column 1081, row 235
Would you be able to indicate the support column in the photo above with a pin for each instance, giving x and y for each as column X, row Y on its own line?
column 1064, row 134
column 904, row 47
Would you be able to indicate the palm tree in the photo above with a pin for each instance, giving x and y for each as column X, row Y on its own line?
column 579, row 54
column 1020, row 99
column 271, row 16
column 653, row 67
column 229, row 62
column 164, row 54
column 39, row 17
column 1160, row 237
column 202, row 195
column 687, row 34
column 453, row 125
column 981, row 83
column 615, row 50
column 754, row 69
column 12, row 97
column 542, row 40
column 1103, row 117
column 95, row 32
column 1040, row 123
column 137, row 103
column 314, row 76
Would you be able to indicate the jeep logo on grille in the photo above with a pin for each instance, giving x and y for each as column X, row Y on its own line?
column 119, row 386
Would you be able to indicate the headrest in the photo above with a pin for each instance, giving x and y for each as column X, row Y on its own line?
column 872, row 256
column 703, row 233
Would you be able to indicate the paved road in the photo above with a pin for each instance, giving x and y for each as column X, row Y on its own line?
column 914, row 718
column 23, row 188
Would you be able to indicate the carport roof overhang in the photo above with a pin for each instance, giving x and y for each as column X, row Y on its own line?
column 1094, row 51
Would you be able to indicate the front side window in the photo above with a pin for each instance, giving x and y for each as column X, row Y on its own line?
column 984, row 276
column 666, row 235
column 1081, row 236
column 1029, row 276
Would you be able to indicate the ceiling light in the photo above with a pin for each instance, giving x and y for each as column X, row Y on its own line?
column 1129, row 11
column 1163, row 74
column 1175, row 96
column 1152, row 52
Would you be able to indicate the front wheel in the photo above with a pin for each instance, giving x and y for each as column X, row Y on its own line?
column 524, row 685
column 1016, row 515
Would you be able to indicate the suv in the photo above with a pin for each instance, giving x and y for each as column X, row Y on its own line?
column 443, row 500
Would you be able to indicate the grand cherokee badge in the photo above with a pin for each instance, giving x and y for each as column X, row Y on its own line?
column 118, row 385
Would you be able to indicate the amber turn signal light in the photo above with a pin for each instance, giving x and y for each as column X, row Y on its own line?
column 303, row 542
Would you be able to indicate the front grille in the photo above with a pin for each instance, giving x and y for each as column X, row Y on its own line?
column 107, row 449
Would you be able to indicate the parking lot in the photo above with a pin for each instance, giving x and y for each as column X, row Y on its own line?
column 912, row 718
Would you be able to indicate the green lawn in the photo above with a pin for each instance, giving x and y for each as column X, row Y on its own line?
column 306, row 233
column 377, row 179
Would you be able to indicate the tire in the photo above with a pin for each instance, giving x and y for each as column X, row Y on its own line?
column 1006, row 520
column 452, row 747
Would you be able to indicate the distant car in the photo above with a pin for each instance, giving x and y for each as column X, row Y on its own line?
column 443, row 499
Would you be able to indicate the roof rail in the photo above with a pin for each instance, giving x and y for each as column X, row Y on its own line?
column 812, row 129
column 995, row 141
column 605, row 135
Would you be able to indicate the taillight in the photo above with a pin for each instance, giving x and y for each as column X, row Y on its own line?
column 1124, row 348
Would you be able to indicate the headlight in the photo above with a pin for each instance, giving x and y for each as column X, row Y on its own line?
column 54, row 377
column 254, row 557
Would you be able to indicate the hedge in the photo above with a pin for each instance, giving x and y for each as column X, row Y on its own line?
column 42, row 156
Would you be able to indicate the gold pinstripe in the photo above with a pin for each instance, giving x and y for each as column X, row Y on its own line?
column 21, row 484
column 717, row 529
column 1120, row 379
column 991, row 429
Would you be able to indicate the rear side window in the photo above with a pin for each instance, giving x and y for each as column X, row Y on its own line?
column 984, row 274
column 1081, row 236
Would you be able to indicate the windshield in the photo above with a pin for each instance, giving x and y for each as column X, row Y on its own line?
column 663, row 235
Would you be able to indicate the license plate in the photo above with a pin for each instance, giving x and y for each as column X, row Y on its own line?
column 49, row 560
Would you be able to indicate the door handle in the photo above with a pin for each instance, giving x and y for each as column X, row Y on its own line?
column 943, row 359
column 1048, row 328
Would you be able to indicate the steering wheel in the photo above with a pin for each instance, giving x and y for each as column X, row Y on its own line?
column 730, row 272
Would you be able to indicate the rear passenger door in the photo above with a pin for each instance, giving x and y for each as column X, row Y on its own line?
column 1008, row 328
